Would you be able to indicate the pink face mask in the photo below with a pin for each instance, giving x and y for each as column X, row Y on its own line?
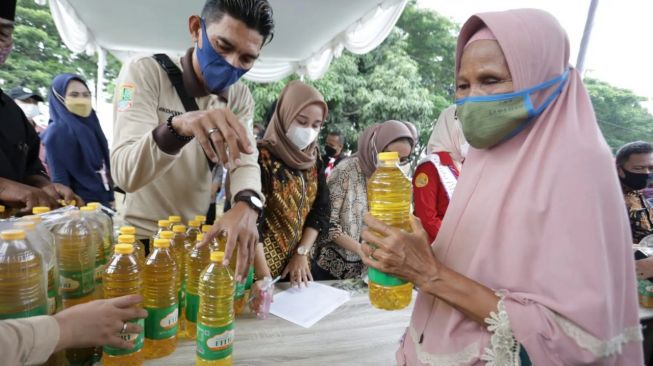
column 4, row 53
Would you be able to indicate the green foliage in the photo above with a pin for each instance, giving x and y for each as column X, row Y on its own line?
column 39, row 53
column 619, row 113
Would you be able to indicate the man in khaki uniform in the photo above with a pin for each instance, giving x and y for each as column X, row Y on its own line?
column 160, row 151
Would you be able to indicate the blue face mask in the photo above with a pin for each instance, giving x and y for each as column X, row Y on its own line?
column 218, row 73
column 491, row 119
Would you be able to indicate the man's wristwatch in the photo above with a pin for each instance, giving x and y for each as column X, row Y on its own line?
column 302, row 251
column 252, row 201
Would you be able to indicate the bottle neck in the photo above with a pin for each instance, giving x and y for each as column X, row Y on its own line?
column 388, row 163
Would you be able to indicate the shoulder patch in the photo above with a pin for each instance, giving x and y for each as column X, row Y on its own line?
column 421, row 180
column 125, row 96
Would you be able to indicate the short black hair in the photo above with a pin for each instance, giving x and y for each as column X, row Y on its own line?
column 256, row 14
column 339, row 135
column 632, row 148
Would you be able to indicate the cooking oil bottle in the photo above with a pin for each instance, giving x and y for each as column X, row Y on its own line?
column 241, row 293
column 193, row 230
column 172, row 221
column 107, row 225
column 179, row 250
column 201, row 219
column 138, row 246
column 162, row 226
column 23, row 288
column 138, row 253
column 97, row 232
column 196, row 260
column 38, row 210
column 123, row 276
column 160, row 293
column 389, row 197
column 215, row 320
column 76, row 252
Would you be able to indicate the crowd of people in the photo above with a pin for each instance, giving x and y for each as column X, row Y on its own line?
column 520, row 247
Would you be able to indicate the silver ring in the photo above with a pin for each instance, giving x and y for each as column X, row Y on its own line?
column 212, row 130
column 124, row 328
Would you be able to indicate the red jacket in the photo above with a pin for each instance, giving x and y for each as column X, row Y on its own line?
column 429, row 195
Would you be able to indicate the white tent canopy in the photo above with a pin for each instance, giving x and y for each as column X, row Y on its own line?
column 308, row 33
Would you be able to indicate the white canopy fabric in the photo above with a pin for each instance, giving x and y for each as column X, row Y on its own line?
column 308, row 33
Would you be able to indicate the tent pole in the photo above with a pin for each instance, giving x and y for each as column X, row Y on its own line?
column 99, row 81
column 589, row 23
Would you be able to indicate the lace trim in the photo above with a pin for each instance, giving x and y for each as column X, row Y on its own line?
column 503, row 349
column 467, row 355
column 598, row 347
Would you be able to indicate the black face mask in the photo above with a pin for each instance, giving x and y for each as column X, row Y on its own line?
column 331, row 152
column 636, row 181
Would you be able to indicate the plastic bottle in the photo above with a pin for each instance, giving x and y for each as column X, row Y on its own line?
column 196, row 260
column 163, row 226
column 38, row 210
column 138, row 246
column 193, row 230
column 215, row 320
column 179, row 249
column 3, row 212
column 201, row 219
column 97, row 232
column 173, row 220
column 22, row 277
column 241, row 291
column 389, row 198
column 122, row 276
column 160, row 293
column 107, row 224
column 76, row 252
column 131, row 240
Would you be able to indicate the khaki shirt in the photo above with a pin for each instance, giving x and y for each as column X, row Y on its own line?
column 28, row 341
column 159, row 184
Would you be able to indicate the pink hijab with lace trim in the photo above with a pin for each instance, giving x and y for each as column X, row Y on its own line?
column 541, row 220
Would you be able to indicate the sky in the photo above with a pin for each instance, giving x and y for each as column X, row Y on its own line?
column 618, row 51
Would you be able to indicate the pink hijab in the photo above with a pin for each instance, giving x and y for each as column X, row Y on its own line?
column 540, row 219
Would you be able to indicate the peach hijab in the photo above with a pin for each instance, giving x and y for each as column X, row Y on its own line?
column 540, row 219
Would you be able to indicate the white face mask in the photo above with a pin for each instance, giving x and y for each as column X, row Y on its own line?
column 302, row 136
column 464, row 149
column 30, row 110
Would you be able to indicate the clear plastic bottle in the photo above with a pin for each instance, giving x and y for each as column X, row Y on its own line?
column 23, row 285
column 123, row 276
column 196, row 260
column 139, row 254
column 241, row 293
column 160, row 293
column 201, row 219
column 215, row 320
column 173, row 220
column 107, row 223
column 76, row 252
column 389, row 198
column 193, row 230
column 162, row 226
column 138, row 245
column 179, row 249
column 97, row 235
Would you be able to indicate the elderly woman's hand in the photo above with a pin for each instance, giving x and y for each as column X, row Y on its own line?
column 398, row 252
column 644, row 268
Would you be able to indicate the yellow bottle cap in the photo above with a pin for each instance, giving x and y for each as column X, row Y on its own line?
column 94, row 204
column 25, row 225
column 217, row 256
column 166, row 235
column 161, row 243
column 2, row 208
column 12, row 235
column 87, row 209
column 387, row 156
column 200, row 237
column 40, row 210
column 200, row 218
column 179, row 229
column 194, row 223
column 206, row 228
column 164, row 223
column 33, row 218
column 126, row 239
column 128, row 230
column 174, row 218
column 123, row 249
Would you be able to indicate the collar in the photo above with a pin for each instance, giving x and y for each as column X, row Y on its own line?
column 192, row 83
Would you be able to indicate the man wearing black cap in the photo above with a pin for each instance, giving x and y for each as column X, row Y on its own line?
column 23, row 181
column 28, row 101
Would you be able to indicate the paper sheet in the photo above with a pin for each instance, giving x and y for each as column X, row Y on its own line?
column 305, row 306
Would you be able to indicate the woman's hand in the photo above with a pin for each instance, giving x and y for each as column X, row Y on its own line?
column 256, row 294
column 299, row 269
column 644, row 268
column 399, row 253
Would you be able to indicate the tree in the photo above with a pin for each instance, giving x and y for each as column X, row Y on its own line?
column 620, row 115
column 39, row 53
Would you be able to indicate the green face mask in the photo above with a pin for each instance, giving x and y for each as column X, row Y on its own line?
column 491, row 119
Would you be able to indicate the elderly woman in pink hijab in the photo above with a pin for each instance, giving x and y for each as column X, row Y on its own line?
column 533, row 262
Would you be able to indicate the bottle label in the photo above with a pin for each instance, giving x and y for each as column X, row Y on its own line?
column 181, row 295
column 161, row 323
column 645, row 288
column 383, row 279
column 250, row 278
column 192, row 306
column 76, row 284
column 136, row 339
column 215, row 343
column 239, row 290
column 39, row 310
